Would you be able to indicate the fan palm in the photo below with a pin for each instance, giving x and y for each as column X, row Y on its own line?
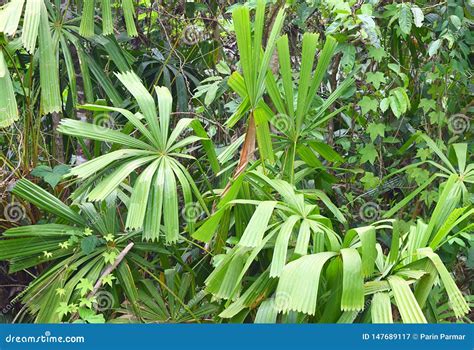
column 348, row 269
column 11, row 14
column 155, row 192
column 250, row 85
column 78, row 244
column 53, row 38
column 451, row 167
column 294, row 118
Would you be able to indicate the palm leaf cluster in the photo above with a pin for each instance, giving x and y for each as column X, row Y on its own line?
column 166, row 218
column 159, row 150
column 77, row 241
column 352, row 271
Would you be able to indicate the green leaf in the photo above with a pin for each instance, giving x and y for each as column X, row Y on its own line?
column 376, row 129
column 405, row 18
column 51, row 176
column 457, row 216
column 10, row 15
column 129, row 15
column 418, row 16
column 427, row 104
column 86, row 28
column 91, row 167
column 402, row 98
column 257, row 226
column 31, row 23
column 370, row 181
column 44, row 200
column 63, row 309
column 264, row 139
column 267, row 313
column 165, row 104
column 8, row 106
column 89, row 244
column 139, row 200
column 286, row 76
column 368, row 154
column 377, row 53
column 433, row 47
column 107, row 21
column 109, row 256
column 395, row 106
column 303, row 238
column 407, row 305
column 170, row 203
column 375, row 79
column 457, row 301
column 384, row 104
column 112, row 181
column 241, row 19
column 89, row 316
column 95, row 132
column 281, row 246
column 455, row 21
column 353, row 282
column 324, row 61
column 145, row 100
column 48, row 62
column 437, row 118
column 108, row 280
column 326, row 152
column 152, row 225
column 310, row 41
column 84, row 285
column 381, row 308
column 270, row 48
column 368, row 104
column 299, row 283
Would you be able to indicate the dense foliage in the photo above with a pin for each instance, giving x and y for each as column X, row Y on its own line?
column 216, row 161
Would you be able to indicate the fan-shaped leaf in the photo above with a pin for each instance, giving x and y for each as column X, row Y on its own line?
column 8, row 106
column 381, row 308
column 352, row 282
column 299, row 283
column 407, row 305
column 257, row 225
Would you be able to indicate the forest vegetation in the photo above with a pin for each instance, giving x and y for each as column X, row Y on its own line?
column 304, row 161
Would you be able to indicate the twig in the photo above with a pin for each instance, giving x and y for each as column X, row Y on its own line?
column 110, row 268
